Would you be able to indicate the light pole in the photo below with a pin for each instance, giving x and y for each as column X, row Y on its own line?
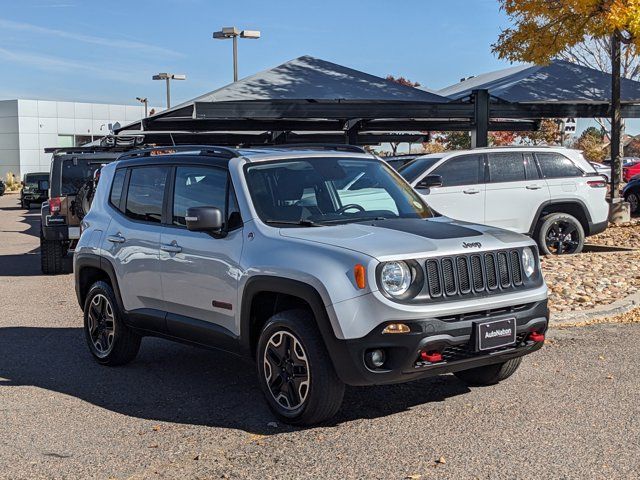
column 234, row 33
column 168, row 77
column 145, row 101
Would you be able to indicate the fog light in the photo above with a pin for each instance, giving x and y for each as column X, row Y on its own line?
column 396, row 328
column 375, row 358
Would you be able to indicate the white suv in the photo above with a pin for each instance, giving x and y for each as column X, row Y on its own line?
column 552, row 194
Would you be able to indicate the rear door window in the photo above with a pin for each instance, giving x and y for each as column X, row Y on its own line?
column 462, row 170
column 506, row 167
column 146, row 193
column 75, row 173
column 556, row 165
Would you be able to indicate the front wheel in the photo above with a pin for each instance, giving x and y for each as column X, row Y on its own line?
column 295, row 371
column 490, row 374
column 560, row 234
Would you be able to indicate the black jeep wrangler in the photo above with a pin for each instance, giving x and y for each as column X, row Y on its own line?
column 35, row 189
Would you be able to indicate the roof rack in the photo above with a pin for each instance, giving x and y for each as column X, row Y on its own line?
column 340, row 147
column 108, row 143
column 206, row 150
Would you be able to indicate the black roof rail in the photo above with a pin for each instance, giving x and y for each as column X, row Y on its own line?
column 340, row 147
column 208, row 150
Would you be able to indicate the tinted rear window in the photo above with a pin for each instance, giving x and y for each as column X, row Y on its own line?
column 414, row 169
column 145, row 194
column 506, row 167
column 555, row 165
column 75, row 173
column 116, row 187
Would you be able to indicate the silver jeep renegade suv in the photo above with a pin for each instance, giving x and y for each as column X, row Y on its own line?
column 324, row 267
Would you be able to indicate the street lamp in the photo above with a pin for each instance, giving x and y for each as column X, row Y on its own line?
column 234, row 33
column 168, row 77
column 144, row 100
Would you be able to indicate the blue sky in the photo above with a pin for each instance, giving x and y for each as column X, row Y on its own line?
column 106, row 51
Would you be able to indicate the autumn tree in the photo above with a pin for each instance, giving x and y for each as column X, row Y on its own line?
column 543, row 29
column 591, row 142
column 548, row 134
column 501, row 139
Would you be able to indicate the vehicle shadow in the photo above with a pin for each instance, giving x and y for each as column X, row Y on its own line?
column 28, row 263
column 169, row 382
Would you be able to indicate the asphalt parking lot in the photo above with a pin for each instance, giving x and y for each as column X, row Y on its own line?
column 571, row 411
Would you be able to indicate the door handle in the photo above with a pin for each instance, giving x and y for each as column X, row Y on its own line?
column 471, row 191
column 533, row 187
column 116, row 238
column 172, row 248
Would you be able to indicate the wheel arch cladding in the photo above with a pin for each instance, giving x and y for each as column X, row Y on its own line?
column 264, row 296
column 91, row 268
column 575, row 208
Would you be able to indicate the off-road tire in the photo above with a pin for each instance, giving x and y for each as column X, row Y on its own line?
column 489, row 374
column 325, row 390
column 126, row 342
column 52, row 254
column 546, row 223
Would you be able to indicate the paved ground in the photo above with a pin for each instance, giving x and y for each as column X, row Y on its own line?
column 571, row 411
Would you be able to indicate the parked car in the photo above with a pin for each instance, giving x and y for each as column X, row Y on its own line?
column 325, row 268
column 35, row 188
column 71, row 190
column 630, row 170
column 631, row 193
column 3, row 187
column 602, row 169
column 552, row 194
column 399, row 161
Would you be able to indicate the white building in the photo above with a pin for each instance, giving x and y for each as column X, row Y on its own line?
column 28, row 126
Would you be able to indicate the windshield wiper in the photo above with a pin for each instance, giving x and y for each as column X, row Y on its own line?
column 300, row 223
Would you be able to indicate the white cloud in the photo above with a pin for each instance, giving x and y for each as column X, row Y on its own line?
column 90, row 39
column 57, row 64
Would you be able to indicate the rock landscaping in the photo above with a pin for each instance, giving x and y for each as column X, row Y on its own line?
column 584, row 281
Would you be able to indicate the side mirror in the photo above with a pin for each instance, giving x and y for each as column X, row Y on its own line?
column 43, row 185
column 430, row 181
column 204, row 219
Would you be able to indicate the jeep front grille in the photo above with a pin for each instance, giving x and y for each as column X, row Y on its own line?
column 473, row 274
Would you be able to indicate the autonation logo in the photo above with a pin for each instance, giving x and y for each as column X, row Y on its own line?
column 503, row 332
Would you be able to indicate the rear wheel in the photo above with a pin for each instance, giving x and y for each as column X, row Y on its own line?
column 490, row 374
column 110, row 341
column 634, row 201
column 560, row 234
column 295, row 371
column 52, row 254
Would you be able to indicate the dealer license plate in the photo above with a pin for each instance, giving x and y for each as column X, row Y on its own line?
column 495, row 334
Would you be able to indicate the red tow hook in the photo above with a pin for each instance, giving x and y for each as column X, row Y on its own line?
column 536, row 337
column 431, row 357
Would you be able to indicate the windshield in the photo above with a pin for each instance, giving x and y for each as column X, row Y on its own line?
column 32, row 180
column 330, row 190
column 412, row 170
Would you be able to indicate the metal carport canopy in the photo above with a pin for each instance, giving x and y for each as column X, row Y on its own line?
column 313, row 95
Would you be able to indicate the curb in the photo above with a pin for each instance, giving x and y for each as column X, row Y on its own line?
column 616, row 308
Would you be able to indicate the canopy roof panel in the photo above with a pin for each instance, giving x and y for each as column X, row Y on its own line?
column 311, row 78
column 560, row 81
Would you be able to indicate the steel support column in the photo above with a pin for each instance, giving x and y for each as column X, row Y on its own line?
column 480, row 132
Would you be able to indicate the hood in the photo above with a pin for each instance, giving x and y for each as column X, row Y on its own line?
column 410, row 238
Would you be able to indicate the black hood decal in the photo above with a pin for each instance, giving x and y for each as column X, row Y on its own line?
column 426, row 228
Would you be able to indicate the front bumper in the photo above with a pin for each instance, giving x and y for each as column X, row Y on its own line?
column 452, row 336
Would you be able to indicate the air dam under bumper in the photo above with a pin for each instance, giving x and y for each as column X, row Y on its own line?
column 452, row 337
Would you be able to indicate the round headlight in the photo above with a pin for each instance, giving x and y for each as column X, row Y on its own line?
column 528, row 261
column 395, row 278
